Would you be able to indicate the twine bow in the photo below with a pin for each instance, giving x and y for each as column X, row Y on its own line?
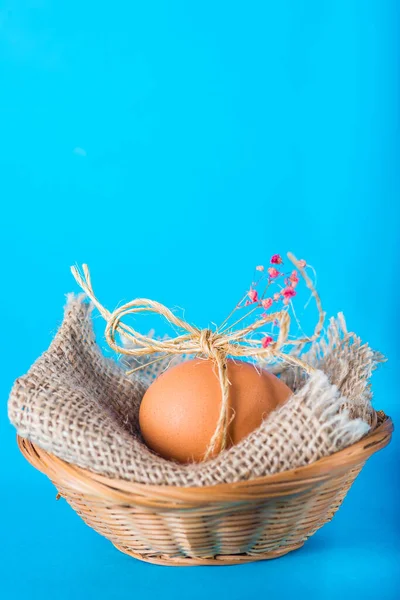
column 216, row 345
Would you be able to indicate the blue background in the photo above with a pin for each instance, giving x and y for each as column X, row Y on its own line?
column 173, row 146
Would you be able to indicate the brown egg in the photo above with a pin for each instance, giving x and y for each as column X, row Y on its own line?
column 179, row 411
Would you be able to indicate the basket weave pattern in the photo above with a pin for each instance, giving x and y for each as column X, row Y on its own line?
column 265, row 517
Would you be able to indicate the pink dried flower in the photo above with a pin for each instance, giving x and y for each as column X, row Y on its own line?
column 273, row 273
column 265, row 342
column 276, row 259
column 247, row 303
column 294, row 279
column 267, row 303
column 302, row 263
column 277, row 296
column 288, row 293
column 260, row 268
column 253, row 295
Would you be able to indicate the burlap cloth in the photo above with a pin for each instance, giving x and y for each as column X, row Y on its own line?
column 80, row 406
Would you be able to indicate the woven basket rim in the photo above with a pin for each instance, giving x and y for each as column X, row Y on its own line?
column 279, row 484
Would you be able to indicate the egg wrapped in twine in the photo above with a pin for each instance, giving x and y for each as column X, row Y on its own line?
column 215, row 346
column 179, row 411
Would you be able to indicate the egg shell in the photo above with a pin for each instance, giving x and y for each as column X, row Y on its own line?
column 179, row 411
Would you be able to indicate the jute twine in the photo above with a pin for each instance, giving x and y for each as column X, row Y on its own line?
column 216, row 345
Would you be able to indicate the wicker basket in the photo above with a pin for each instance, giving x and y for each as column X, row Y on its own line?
column 224, row 524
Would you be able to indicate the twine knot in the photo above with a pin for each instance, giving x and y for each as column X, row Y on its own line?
column 208, row 343
column 216, row 345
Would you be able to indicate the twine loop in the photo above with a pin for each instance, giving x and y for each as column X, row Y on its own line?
column 216, row 345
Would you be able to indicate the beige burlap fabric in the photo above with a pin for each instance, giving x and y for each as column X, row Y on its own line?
column 82, row 407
